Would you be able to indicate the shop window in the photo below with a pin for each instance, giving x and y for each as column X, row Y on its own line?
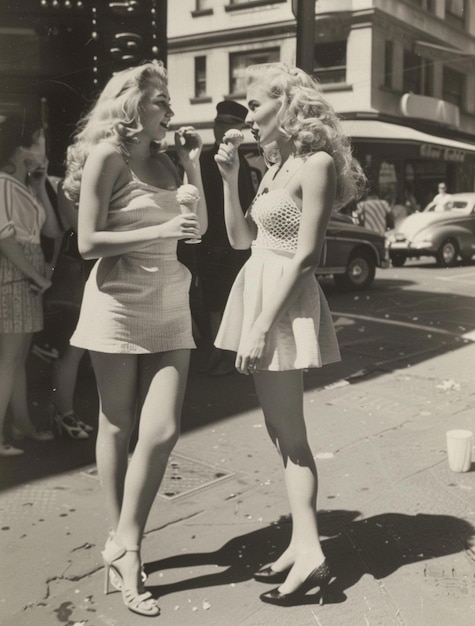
column 453, row 86
column 455, row 13
column 418, row 74
column 388, row 64
column 387, row 181
column 238, row 61
column 330, row 62
column 200, row 77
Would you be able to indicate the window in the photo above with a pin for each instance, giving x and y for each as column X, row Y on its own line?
column 236, row 4
column 330, row 62
column 411, row 72
column 203, row 5
column 455, row 13
column 453, row 86
column 388, row 64
column 238, row 62
column 418, row 74
column 254, row 1
column 428, row 5
column 200, row 77
column 428, row 77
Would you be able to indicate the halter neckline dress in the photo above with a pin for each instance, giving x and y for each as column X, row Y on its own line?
column 304, row 336
column 137, row 302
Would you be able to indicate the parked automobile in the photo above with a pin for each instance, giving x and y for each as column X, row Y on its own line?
column 444, row 231
column 352, row 253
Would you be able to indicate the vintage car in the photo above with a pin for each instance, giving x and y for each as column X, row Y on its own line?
column 444, row 231
column 351, row 253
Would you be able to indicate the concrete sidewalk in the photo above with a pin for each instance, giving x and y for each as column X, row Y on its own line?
column 397, row 524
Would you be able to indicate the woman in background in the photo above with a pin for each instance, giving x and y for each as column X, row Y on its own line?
column 135, row 316
column 277, row 318
column 25, row 213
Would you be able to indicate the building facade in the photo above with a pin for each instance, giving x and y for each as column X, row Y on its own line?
column 400, row 73
column 56, row 55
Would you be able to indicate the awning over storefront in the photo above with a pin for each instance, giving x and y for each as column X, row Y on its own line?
column 428, row 146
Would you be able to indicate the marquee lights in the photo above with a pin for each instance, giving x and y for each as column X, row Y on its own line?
column 122, row 33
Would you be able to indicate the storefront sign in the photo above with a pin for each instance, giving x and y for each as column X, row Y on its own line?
column 439, row 153
column 428, row 108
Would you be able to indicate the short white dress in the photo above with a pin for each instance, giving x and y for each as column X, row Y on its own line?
column 304, row 337
column 137, row 302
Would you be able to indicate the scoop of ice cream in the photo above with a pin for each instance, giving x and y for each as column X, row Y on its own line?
column 234, row 137
column 187, row 195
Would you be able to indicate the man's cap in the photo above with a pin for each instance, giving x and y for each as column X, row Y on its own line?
column 231, row 111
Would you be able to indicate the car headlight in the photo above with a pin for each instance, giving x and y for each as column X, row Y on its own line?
column 425, row 243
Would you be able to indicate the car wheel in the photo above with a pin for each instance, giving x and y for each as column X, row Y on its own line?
column 447, row 253
column 359, row 273
column 397, row 259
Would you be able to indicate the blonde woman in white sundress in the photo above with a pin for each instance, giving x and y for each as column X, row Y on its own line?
column 135, row 316
column 277, row 318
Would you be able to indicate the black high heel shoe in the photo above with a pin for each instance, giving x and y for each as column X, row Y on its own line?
column 268, row 575
column 320, row 577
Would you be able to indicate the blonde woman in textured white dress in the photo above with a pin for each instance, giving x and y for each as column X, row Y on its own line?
column 277, row 318
column 135, row 315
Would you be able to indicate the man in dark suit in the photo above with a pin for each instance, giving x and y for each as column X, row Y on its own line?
column 218, row 264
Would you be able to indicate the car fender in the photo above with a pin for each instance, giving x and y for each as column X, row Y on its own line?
column 355, row 243
column 462, row 235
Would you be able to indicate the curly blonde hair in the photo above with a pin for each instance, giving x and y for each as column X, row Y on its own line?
column 114, row 116
column 310, row 123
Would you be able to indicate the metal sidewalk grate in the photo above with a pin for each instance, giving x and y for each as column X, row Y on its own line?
column 183, row 476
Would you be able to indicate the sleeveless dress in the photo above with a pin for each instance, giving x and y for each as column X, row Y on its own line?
column 304, row 336
column 137, row 302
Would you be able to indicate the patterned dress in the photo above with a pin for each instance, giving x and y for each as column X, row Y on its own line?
column 21, row 216
column 137, row 302
column 304, row 336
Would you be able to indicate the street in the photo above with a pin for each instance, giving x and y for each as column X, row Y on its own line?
column 396, row 523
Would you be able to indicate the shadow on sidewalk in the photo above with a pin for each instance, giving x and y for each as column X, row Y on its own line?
column 377, row 546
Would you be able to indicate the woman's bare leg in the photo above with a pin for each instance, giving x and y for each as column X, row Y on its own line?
column 11, row 355
column 162, row 382
column 117, row 384
column 65, row 373
column 281, row 397
column 19, row 397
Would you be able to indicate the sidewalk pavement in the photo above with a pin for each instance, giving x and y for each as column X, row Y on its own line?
column 397, row 524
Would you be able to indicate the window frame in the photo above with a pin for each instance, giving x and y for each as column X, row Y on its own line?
column 249, row 4
column 274, row 50
column 320, row 72
column 201, row 10
column 388, row 63
column 452, row 17
column 424, row 72
column 203, row 80
column 458, row 100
